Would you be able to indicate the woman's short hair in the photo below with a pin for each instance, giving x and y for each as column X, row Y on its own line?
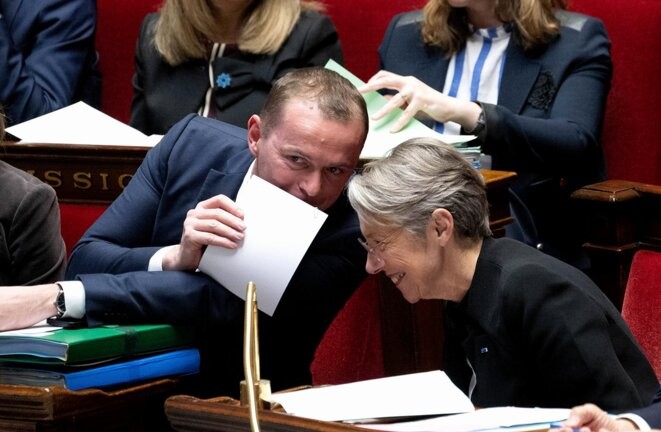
column 333, row 94
column 417, row 177
column 185, row 27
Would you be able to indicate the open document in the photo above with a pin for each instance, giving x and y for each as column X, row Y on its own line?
column 280, row 229
column 80, row 124
column 510, row 419
column 412, row 395
column 379, row 138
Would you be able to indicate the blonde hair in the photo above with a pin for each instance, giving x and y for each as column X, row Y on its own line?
column 534, row 20
column 185, row 27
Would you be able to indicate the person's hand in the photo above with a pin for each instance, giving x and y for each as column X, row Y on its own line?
column 25, row 306
column 591, row 418
column 416, row 97
column 216, row 221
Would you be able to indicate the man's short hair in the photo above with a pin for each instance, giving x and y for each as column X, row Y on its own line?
column 333, row 94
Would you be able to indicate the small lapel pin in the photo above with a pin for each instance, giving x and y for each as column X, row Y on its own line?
column 484, row 350
column 223, row 80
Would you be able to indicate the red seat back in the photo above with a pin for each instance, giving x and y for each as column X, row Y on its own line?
column 118, row 25
column 641, row 307
column 632, row 130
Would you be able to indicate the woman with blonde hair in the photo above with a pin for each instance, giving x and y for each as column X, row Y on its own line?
column 528, row 78
column 219, row 57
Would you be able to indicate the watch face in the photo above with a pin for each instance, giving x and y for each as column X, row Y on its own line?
column 60, row 304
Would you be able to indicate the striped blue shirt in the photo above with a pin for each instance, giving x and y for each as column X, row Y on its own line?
column 474, row 73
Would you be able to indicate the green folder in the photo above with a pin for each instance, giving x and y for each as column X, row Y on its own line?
column 92, row 345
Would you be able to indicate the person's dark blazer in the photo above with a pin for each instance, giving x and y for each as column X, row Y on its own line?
column 547, row 123
column 47, row 56
column 164, row 94
column 538, row 332
column 32, row 250
column 200, row 158
column 651, row 414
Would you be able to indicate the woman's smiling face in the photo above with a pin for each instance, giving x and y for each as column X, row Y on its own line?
column 411, row 262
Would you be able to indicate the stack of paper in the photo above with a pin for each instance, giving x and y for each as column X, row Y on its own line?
column 80, row 124
column 413, row 395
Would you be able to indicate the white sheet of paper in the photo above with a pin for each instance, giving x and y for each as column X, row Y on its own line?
column 486, row 419
column 79, row 124
column 280, row 229
column 379, row 138
column 425, row 393
column 40, row 329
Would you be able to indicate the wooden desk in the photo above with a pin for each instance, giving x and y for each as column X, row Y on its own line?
column 53, row 409
column 190, row 414
column 80, row 174
column 618, row 218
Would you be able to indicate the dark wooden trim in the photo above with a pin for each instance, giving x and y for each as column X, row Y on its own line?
column 618, row 218
column 80, row 174
column 190, row 414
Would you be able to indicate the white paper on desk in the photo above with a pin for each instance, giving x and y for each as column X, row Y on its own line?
column 419, row 394
column 379, row 138
column 486, row 419
column 79, row 124
column 280, row 229
column 38, row 330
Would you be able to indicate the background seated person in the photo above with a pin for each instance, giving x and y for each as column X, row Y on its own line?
column 219, row 58
column 47, row 56
column 306, row 141
column 522, row 328
column 528, row 78
column 32, row 250
column 589, row 418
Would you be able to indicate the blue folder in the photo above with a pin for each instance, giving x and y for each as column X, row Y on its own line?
column 172, row 363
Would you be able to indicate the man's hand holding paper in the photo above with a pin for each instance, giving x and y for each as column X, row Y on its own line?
column 280, row 228
column 217, row 221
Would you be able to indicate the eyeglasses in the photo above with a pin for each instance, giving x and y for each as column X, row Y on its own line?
column 371, row 251
column 377, row 250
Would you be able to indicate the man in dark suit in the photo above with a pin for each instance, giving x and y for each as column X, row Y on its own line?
column 306, row 141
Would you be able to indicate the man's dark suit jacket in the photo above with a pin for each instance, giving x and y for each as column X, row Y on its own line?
column 546, row 125
column 164, row 94
column 651, row 414
column 47, row 56
column 200, row 158
column 538, row 332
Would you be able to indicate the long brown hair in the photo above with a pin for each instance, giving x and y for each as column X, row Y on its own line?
column 185, row 27
column 534, row 20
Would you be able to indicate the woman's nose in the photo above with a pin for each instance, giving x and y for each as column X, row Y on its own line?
column 373, row 265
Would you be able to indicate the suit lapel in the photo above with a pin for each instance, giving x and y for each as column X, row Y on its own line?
column 519, row 76
column 227, row 179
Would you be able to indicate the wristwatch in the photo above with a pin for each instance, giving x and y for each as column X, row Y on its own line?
column 479, row 126
column 59, row 303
